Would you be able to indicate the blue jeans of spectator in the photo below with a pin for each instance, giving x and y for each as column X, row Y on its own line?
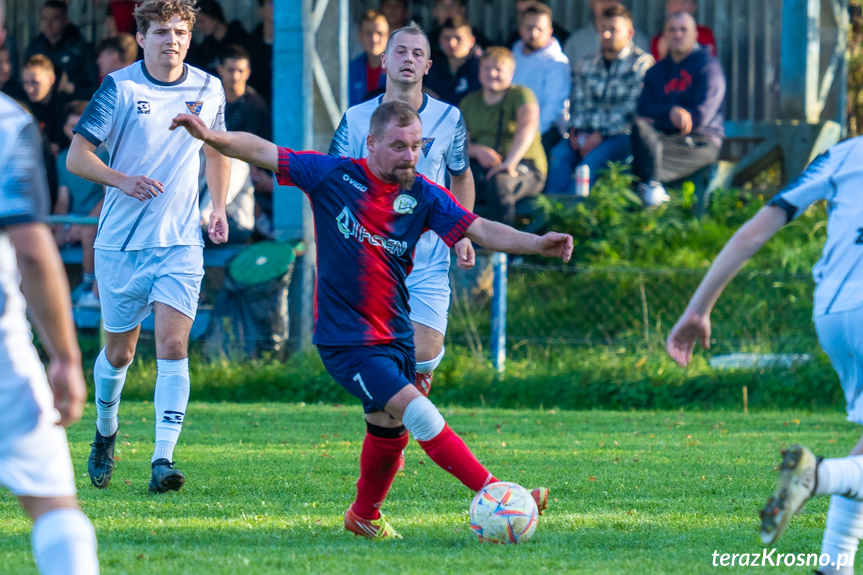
column 564, row 160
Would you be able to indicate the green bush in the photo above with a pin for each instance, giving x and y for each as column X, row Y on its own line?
column 611, row 228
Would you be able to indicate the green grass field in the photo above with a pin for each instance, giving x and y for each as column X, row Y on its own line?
column 646, row 492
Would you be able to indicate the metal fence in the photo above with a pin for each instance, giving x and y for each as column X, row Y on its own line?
column 760, row 311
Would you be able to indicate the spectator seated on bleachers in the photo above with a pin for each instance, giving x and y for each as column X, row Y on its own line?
column 8, row 84
column 504, row 146
column 79, row 197
column 217, row 35
column 265, row 183
column 73, row 58
column 584, row 42
column 397, row 13
column 604, row 97
column 120, row 17
column 245, row 109
column 456, row 72
column 365, row 74
column 443, row 11
column 261, row 50
column 541, row 65
column 680, row 124
column 239, row 205
column 115, row 53
column 45, row 101
column 659, row 47
column 557, row 30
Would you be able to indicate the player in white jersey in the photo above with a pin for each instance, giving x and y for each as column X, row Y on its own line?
column 34, row 453
column 837, row 177
column 406, row 61
column 149, row 250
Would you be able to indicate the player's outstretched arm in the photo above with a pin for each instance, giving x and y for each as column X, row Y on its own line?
column 502, row 238
column 694, row 324
column 240, row 145
column 43, row 283
column 83, row 161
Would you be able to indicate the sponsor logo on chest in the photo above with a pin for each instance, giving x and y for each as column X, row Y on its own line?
column 354, row 183
column 351, row 228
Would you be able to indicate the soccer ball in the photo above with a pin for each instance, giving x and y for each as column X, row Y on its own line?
column 503, row 512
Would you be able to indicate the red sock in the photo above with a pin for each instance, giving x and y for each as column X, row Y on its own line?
column 379, row 462
column 452, row 455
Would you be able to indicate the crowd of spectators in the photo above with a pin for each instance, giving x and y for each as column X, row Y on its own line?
column 60, row 71
column 537, row 110
column 604, row 93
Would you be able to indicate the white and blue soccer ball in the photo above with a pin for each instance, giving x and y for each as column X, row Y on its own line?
column 503, row 512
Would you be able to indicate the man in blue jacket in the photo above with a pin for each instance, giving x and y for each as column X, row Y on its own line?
column 680, row 124
column 365, row 75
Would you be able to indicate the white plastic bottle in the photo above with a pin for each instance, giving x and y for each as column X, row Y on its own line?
column 582, row 181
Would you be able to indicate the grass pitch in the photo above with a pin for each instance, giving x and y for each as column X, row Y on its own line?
column 632, row 492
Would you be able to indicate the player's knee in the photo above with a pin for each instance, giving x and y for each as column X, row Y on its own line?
column 119, row 357
column 423, row 419
column 173, row 346
column 430, row 365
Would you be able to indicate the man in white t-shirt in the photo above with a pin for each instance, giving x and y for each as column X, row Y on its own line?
column 149, row 249
column 837, row 177
column 34, row 452
column 444, row 153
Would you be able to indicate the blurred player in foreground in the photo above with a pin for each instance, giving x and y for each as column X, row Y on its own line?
column 149, row 250
column 369, row 215
column 836, row 176
column 34, row 453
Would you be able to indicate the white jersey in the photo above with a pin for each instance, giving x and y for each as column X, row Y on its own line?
column 23, row 199
column 131, row 111
column 444, row 149
column 837, row 177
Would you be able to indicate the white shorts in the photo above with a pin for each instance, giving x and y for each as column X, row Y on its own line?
column 840, row 337
column 34, row 453
column 428, row 283
column 130, row 282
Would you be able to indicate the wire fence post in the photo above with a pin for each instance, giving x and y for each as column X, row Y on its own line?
column 498, row 312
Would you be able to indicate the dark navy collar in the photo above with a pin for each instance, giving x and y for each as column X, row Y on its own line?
column 176, row 82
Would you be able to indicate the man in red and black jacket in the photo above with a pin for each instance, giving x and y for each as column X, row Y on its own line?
column 681, row 119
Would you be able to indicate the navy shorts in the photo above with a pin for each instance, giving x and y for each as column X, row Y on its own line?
column 373, row 373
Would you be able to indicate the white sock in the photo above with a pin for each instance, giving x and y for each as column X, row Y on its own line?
column 109, row 384
column 64, row 543
column 842, row 476
column 844, row 529
column 172, row 397
column 164, row 450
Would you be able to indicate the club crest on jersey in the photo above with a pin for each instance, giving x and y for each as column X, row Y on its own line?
column 427, row 145
column 404, row 204
column 195, row 107
column 143, row 106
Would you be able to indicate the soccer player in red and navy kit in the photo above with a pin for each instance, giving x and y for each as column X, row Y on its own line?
column 369, row 215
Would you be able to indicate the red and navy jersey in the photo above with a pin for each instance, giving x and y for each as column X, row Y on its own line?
column 366, row 231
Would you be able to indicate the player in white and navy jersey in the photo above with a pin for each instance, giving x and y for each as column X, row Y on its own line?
column 836, row 177
column 444, row 153
column 149, row 249
column 34, row 453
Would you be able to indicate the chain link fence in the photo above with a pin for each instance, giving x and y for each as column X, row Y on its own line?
column 760, row 311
